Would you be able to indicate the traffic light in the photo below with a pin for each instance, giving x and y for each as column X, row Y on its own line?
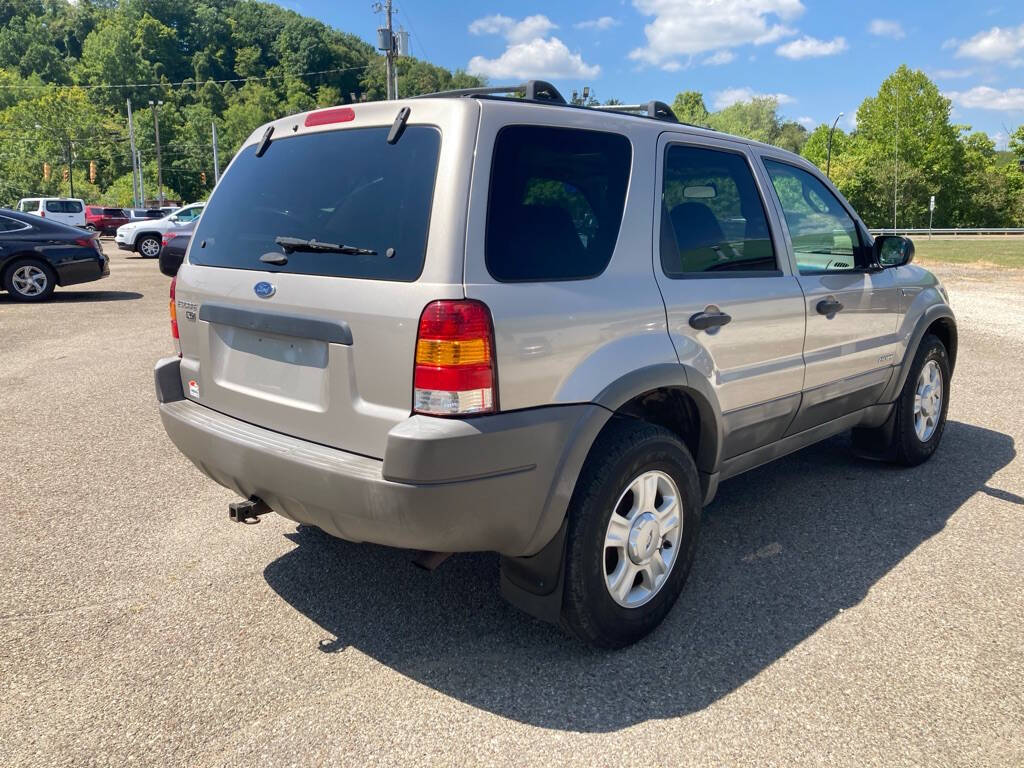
column 92, row 171
column 66, row 176
column 202, row 178
column 46, row 171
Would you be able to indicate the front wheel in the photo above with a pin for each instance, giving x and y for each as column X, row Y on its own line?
column 632, row 534
column 149, row 247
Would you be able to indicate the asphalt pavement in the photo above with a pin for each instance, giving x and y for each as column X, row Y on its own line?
column 840, row 612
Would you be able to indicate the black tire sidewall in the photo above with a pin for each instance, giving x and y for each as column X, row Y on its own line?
column 51, row 279
column 593, row 613
column 911, row 449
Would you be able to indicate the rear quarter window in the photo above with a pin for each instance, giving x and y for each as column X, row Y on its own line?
column 555, row 202
column 347, row 187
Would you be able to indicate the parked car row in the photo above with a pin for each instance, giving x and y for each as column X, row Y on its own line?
column 75, row 213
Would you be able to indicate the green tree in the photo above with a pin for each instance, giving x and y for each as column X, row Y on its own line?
column 815, row 148
column 906, row 140
column 689, row 108
column 756, row 119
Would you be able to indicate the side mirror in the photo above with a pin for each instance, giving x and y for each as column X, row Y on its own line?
column 174, row 218
column 893, row 251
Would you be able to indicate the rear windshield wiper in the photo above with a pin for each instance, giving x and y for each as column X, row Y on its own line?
column 293, row 244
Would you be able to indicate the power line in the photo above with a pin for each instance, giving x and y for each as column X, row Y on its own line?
column 190, row 82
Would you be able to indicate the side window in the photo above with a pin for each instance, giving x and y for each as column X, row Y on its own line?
column 555, row 202
column 55, row 206
column 72, row 206
column 10, row 225
column 824, row 235
column 712, row 218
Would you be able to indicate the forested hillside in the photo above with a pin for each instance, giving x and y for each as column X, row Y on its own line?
column 238, row 63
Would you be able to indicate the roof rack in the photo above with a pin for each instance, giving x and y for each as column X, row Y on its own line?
column 532, row 90
column 659, row 110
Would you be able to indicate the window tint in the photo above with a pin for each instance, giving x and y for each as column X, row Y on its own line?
column 347, row 187
column 63, row 206
column 11, row 225
column 712, row 217
column 188, row 214
column 823, row 234
column 28, row 205
column 555, row 203
column 114, row 212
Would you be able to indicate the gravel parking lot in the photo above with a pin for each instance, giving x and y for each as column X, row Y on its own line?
column 840, row 612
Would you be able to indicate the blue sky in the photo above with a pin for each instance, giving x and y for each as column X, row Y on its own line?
column 818, row 58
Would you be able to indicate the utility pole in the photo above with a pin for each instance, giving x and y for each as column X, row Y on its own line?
column 386, row 43
column 71, row 170
column 142, row 189
column 828, row 162
column 131, row 142
column 216, row 164
column 156, row 128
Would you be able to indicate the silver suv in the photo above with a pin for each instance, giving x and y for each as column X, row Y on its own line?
column 470, row 322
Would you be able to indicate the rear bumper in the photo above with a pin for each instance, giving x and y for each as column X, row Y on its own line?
column 497, row 483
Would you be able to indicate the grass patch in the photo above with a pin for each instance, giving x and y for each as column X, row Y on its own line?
column 998, row 251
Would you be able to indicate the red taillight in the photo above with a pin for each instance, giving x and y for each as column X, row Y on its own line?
column 327, row 116
column 455, row 366
column 174, row 317
column 42, row 214
column 168, row 236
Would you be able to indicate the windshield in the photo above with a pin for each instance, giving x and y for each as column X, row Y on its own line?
column 347, row 186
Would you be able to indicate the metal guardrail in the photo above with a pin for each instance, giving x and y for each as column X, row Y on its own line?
column 955, row 232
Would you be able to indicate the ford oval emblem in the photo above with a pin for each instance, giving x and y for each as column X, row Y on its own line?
column 264, row 290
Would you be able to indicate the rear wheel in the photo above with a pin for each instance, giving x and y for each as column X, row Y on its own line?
column 632, row 534
column 29, row 280
column 149, row 247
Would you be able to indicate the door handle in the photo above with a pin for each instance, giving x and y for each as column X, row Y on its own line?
column 701, row 321
column 829, row 307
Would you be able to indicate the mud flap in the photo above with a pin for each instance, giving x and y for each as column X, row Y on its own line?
column 534, row 584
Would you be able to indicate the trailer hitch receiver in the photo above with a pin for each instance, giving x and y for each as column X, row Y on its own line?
column 248, row 511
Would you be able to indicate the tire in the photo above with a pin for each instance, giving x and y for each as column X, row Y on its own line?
column 626, row 452
column 28, row 279
column 902, row 440
column 148, row 247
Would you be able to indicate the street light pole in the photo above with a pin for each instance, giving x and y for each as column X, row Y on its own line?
column 828, row 162
column 71, row 170
column 156, row 128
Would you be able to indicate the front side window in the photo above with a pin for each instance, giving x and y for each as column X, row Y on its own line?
column 189, row 214
column 713, row 220
column 823, row 234
column 555, row 203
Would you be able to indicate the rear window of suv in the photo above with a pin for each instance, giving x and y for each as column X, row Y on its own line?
column 347, row 187
column 555, row 203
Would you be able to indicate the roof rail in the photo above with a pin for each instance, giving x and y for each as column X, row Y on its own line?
column 659, row 110
column 532, row 90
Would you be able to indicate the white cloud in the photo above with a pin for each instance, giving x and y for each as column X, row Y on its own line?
column 886, row 28
column 808, row 47
column 604, row 22
column 719, row 58
column 683, row 28
column 513, row 30
column 537, row 58
column 996, row 44
column 807, row 122
column 731, row 96
column 983, row 97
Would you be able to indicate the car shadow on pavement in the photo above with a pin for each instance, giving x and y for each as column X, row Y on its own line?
column 784, row 549
column 59, row 297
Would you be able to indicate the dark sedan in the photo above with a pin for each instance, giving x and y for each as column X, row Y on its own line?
column 173, row 246
column 36, row 255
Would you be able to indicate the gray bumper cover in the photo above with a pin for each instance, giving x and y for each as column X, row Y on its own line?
column 498, row 483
